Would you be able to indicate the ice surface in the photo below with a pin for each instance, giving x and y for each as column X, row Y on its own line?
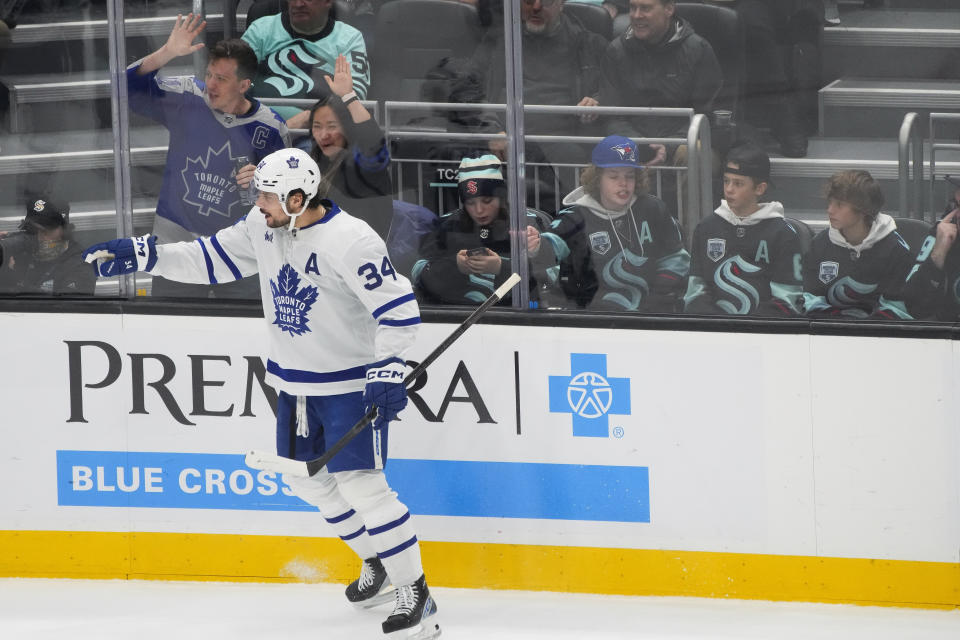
column 34, row 609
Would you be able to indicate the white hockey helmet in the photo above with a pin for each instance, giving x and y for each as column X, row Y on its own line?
column 285, row 171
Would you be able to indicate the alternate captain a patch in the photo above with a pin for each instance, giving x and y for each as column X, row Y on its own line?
column 291, row 304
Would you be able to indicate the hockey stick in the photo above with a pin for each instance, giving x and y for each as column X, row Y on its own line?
column 270, row 462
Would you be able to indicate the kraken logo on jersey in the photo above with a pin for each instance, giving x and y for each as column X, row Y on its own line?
column 829, row 271
column 291, row 304
column 616, row 276
column 716, row 247
column 208, row 184
column 291, row 67
column 846, row 293
column 727, row 278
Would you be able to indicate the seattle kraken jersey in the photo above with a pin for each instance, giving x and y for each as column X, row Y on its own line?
column 292, row 65
column 744, row 269
column 838, row 281
column 199, row 193
column 931, row 292
column 332, row 300
column 634, row 262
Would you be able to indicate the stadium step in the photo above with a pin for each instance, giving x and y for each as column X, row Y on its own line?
column 78, row 150
column 891, row 42
column 98, row 216
column 875, row 107
column 39, row 102
column 799, row 182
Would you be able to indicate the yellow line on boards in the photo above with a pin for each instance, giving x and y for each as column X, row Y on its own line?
column 196, row 556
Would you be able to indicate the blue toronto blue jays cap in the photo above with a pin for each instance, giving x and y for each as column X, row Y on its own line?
column 615, row 151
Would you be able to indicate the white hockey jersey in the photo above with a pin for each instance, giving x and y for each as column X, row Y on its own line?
column 332, row 300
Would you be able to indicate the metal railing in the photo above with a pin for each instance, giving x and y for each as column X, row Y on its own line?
column 910, row 148
column 693, row 200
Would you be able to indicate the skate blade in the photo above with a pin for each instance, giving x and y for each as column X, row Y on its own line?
column 390, row 595
column 426, row 630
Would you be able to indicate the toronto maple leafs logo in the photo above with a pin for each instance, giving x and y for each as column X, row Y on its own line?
column 291, row 303
column 293, row 162
column 208, row 185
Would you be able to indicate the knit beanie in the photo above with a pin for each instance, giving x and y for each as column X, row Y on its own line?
column 480, row 177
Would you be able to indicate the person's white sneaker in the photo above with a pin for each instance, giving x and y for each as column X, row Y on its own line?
column 831, row 12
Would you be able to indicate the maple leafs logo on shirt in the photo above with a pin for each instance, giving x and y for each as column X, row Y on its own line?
column 209, row 186
column 291, row 304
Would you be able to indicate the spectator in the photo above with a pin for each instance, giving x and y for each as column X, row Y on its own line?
column 932, row 289
column 782, row 57
column 746, row 257
column 469, row 254
column 42, row 257
column 659, row 61
column 857, row 267
column 217, row 136
column 351, row 151
column 561, row 66
column 298, row 47
column 618, row 246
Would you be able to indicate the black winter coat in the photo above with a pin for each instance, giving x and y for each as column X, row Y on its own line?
column 681, row 71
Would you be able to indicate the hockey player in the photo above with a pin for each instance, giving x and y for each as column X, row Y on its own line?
column 340, row 320
column 217, row 136
column 746, row 257
column 857, row 267
column 619, row 248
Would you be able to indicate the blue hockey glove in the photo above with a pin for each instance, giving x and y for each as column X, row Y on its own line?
column 385, row 390
column 121, row 256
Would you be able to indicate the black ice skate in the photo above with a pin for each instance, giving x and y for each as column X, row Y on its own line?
column 372, row 587
column 414, row 616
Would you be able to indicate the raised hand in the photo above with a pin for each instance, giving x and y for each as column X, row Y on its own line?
column 342, row 81
column 185, row 31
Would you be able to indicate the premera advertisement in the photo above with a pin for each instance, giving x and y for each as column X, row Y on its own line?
column 731, row 443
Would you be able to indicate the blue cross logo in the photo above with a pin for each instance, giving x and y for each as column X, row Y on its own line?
column 589, row 395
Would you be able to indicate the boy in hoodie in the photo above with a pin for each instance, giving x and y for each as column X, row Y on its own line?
column 617, row 246
column 857, row 267
column 746, row 257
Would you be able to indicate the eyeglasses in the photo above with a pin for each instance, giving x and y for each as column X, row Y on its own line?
column 546, row 4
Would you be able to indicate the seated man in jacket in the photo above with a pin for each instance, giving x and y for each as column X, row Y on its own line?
column 659, row 61
column 561, row 66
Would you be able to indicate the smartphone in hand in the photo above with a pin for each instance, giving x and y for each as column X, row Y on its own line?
column 478, row 251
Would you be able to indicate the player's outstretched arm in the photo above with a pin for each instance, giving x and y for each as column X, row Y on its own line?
column 179, row 43
column 122, row 256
